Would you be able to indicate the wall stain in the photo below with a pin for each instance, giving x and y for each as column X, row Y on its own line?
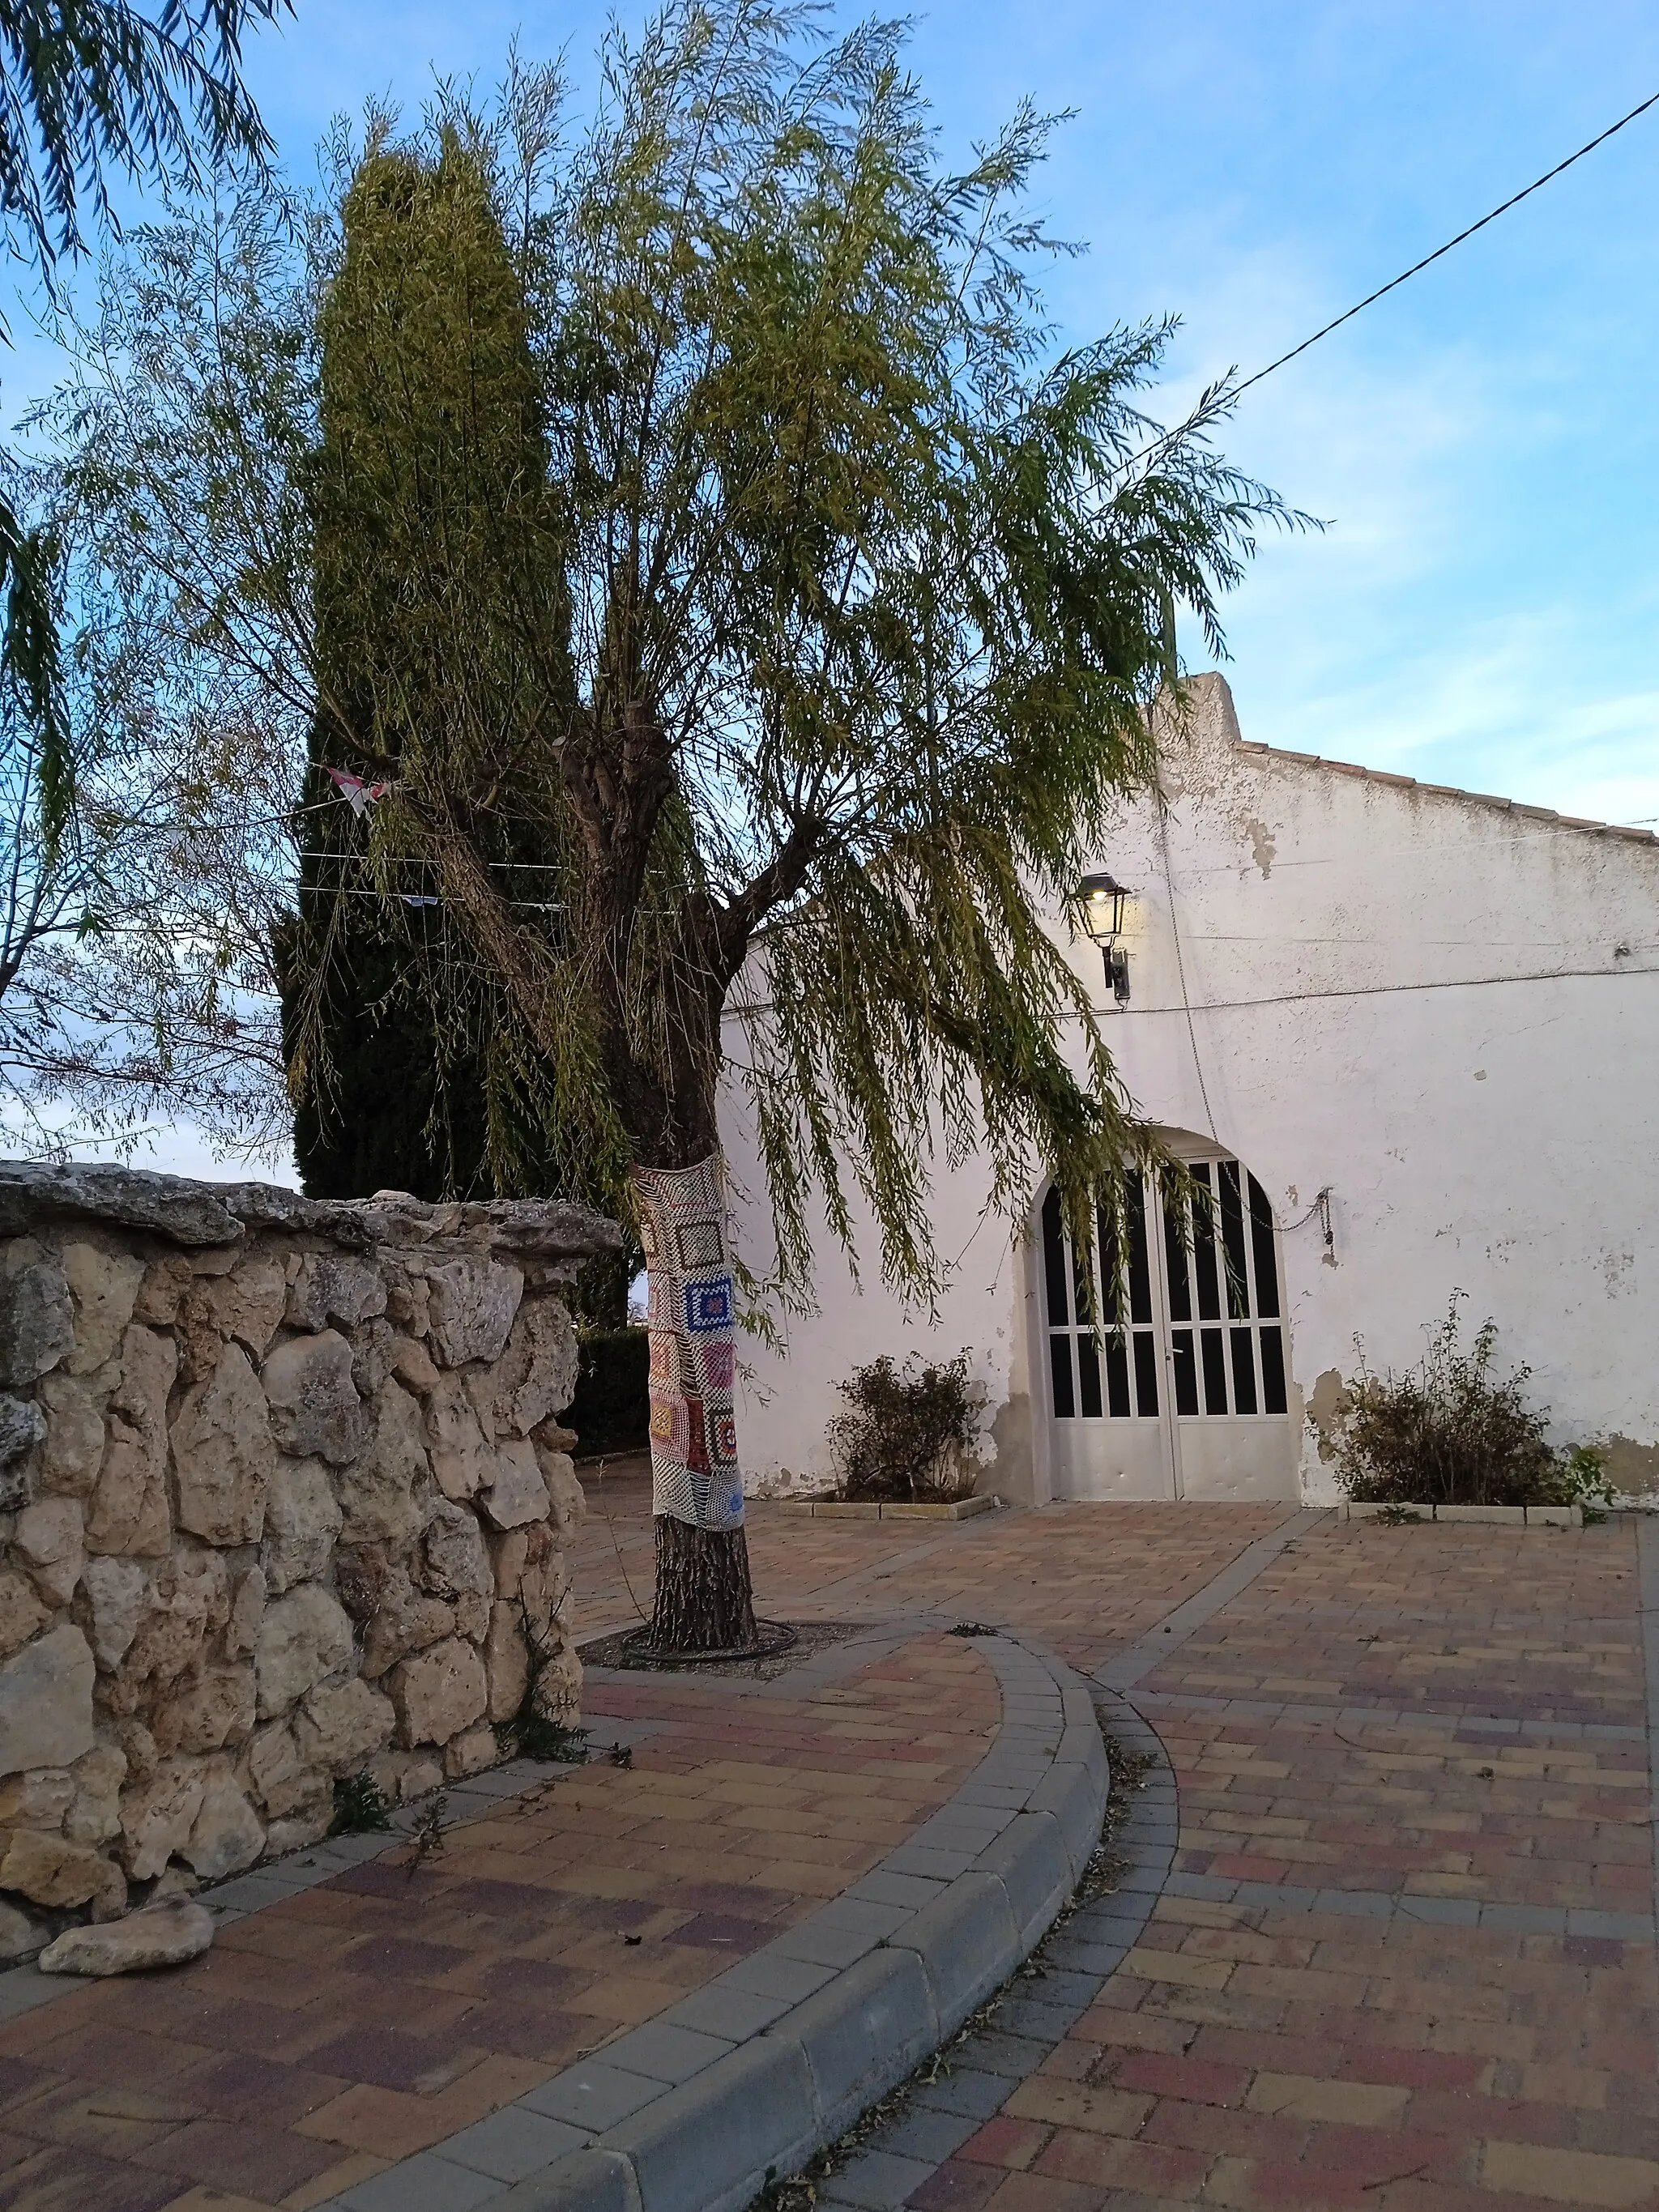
column 1262, row 846
column 1328, row 1405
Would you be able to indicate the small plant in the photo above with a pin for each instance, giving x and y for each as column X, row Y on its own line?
column 908, row 1433
column 529, row 1734
column 621, row 1754
column 971, row 1628
column 360, row 1807
column 429, row 1843
column 1451, row 1431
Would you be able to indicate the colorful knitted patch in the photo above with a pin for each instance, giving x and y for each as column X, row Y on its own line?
column 695, row 1473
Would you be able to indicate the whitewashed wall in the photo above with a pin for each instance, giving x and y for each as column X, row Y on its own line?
column 1446, row 1008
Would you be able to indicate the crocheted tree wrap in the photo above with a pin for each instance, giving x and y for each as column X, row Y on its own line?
column 694, row 1440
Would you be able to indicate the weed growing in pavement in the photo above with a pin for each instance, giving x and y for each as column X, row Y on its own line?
column 971, row 1628
column 798, row 2192
column 360, row 1807
column 429, row 1839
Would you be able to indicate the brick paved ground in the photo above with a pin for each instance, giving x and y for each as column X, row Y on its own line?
column 1385, row 1724
column 379, row 2012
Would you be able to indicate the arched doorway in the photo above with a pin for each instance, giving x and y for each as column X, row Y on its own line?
column 1183, row 1389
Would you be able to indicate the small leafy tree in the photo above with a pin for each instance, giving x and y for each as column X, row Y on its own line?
column 907, row 1431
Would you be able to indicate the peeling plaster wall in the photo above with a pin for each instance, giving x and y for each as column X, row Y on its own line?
column 1445, row 1008
column 282, row 1493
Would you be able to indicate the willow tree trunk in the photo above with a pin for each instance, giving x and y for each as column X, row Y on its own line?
column 704, row 1597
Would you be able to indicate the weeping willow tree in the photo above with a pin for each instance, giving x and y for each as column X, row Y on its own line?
column 822, row 666
column 430, row 489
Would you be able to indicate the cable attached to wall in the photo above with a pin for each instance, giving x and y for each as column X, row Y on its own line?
column 1181, row 965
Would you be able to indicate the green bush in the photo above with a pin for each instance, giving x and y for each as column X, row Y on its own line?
column 907, row 1432
column 610, row 1412
column 1449, row 1432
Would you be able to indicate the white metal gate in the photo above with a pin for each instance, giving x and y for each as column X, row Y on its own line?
column 1178, row 1386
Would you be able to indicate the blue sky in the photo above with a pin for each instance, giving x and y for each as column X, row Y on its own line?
column 1482, row 610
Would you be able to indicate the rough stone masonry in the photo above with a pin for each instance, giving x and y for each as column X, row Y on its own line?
column 282, row 1499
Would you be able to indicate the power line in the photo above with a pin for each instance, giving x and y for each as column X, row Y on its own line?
column 1395, row 283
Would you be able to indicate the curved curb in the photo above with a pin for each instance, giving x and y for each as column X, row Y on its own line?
column 743, row 2081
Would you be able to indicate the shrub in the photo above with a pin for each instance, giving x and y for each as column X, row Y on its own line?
column 907, row 1431
column 1450, row 1432
column 610, row 1411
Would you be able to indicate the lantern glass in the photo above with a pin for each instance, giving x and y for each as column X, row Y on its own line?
column 1101, row 897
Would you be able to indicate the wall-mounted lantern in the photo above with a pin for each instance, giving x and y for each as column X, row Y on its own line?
column 1101, row 898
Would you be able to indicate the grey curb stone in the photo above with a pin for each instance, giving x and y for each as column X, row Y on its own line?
column 873, row 2025
column 1029, row 1860
column 968, row 1943
column 589, row 2181
column 711, row 2144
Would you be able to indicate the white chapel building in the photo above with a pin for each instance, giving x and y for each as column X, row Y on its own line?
column 1411, row 1037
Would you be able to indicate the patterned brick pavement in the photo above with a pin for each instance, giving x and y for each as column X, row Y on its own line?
column 384, row 2010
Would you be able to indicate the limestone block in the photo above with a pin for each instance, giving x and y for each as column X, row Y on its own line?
column 187, row 1603
column 223, row 1454
column 158, row 1814
column 403, row 1775
column 408, row 1301
column 362, row 1573
column 216, row 1710
column 412, row 1361
column 566, row 1498
column 405, row 1620
column 373, row 1344
column 247, row 1610
column 473, row 1303
column 302, row 1519
column 453, row 1553
column 335, row 1286
column 19, row 1936
column 73, row 1409
column 94, row 1814
column 21, row 1613
column 338, row 1729
column 303, row 1637
column 281, row 1781
column 45, row 1702
column 103, row 1287
column 517, row 1494
column 470, row 1753
column 248, row 1304
column 536, row 1374
column 37, row 1316
column 461, row 1455
column 300, row 1829
column 118, row 1592
column 438, row 1693
column 472, row 1614
column 558, row 1694
column 138, row 1746
column 227, row 1834
column 378, row 1493
column 315, row 1411
column 164, row 1935
column 50, row 1869
column 506, row 1661
column 22, row 1425
column 36, row 1800
column 48, row 1539
column 129, row 1506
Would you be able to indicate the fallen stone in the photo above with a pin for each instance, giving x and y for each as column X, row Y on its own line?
column 228, row 1834
column 378, row 1494
column 164, row 1935
column 516, row 1495
column 37, row 1319
column 103, row 1287
column 223, row 1454
column 438, row 1693
column 315, row 1411
column 303, row 1636
column 51, row 1870
column 473, row 1303
column 45, row 1702
column 302, row 1520
column 130, row 1512
column 49, row 1538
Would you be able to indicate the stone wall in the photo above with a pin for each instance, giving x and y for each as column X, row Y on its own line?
column 282, row 1499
